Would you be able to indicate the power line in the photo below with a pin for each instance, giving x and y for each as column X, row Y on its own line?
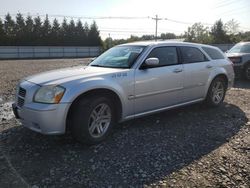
column 156, row 18
column 121, row 31
column 235, row 11
column 84, row 17
column 226, row 3
column 103, row 17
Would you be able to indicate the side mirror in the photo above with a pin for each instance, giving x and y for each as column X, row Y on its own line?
column 150, row 62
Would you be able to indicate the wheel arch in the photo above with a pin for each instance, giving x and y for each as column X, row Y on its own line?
column 214, row 76
column 96, row 92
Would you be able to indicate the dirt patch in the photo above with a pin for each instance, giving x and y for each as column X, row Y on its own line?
column 6, row 112
column 11, row 71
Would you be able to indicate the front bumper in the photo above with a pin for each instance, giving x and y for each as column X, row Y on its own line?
column 43, row 118
column 39, row 117
column 238, row 70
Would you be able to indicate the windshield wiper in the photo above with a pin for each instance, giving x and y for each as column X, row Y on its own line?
column 97, row 66
column 110, row 66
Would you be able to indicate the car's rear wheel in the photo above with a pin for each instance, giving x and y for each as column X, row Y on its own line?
column 216, row 92
column 93, row 119
column 247, row 71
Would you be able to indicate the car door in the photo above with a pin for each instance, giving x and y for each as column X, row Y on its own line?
column 160, row 86
column 197, row 69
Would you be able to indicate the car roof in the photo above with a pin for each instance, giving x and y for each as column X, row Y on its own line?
column 168, row 43
column 242, row 43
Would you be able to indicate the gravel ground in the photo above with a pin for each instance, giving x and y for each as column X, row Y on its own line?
column 193, row 146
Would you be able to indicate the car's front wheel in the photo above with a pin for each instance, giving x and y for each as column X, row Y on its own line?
column 216, row 92
column 93, row 119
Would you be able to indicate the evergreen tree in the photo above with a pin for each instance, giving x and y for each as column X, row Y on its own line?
column 71, row 33
column 86, row 28
column 80, row 34
column 28, row 30
column 64, row 32
column 20, row 29
column 71, row 28
column 9, row 28
column 46, row 30
column 218, row 33
column 2, row 33
column 93, row 36
column 37, row 30
column 55, row 32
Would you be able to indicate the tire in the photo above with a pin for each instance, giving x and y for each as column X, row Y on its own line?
column 247, row 71
column 216, row 92
column 93, row 119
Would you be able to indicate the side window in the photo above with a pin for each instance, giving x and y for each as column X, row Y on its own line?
column 213, row 53
column 166, row 55
column 245, row 48
column 192, row 55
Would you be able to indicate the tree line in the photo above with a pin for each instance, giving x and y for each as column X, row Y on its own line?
column 37, row 32
column 218, row 33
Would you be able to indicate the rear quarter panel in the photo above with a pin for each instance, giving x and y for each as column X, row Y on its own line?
column 224, row 67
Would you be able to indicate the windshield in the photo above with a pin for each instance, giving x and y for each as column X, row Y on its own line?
column 240, row 48
column 118, row 57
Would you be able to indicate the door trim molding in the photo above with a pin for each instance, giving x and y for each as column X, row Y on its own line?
column 155, row 93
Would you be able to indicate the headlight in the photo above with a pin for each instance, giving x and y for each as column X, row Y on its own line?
column 49, row 94
column 235, row 59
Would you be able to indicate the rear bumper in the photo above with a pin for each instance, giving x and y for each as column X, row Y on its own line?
column 43, row 118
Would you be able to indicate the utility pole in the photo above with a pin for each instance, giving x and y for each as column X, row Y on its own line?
column 156, row 25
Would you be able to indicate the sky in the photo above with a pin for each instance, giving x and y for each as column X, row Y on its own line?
column 176, row 15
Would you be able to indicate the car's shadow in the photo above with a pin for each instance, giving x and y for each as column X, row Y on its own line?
column 142, row 151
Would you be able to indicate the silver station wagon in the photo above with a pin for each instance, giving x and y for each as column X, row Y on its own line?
column 125, row 82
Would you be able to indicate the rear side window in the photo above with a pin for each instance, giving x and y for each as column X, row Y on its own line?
column 166, row 55
column 192, row 55
column 213, row 53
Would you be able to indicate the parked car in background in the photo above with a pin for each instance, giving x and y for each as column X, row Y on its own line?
column 125, row 82
column 240, row 56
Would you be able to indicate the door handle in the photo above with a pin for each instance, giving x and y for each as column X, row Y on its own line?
column 177, row 70
column 209, row 66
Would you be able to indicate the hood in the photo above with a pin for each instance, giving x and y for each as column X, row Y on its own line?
column 60, row 76
column 236, row 54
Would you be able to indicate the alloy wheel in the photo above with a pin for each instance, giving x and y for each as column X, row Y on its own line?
column 217, row 92
column 99, row 121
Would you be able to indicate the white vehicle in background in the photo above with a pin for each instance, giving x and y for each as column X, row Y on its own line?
column 125, row 82
column 240, row 56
